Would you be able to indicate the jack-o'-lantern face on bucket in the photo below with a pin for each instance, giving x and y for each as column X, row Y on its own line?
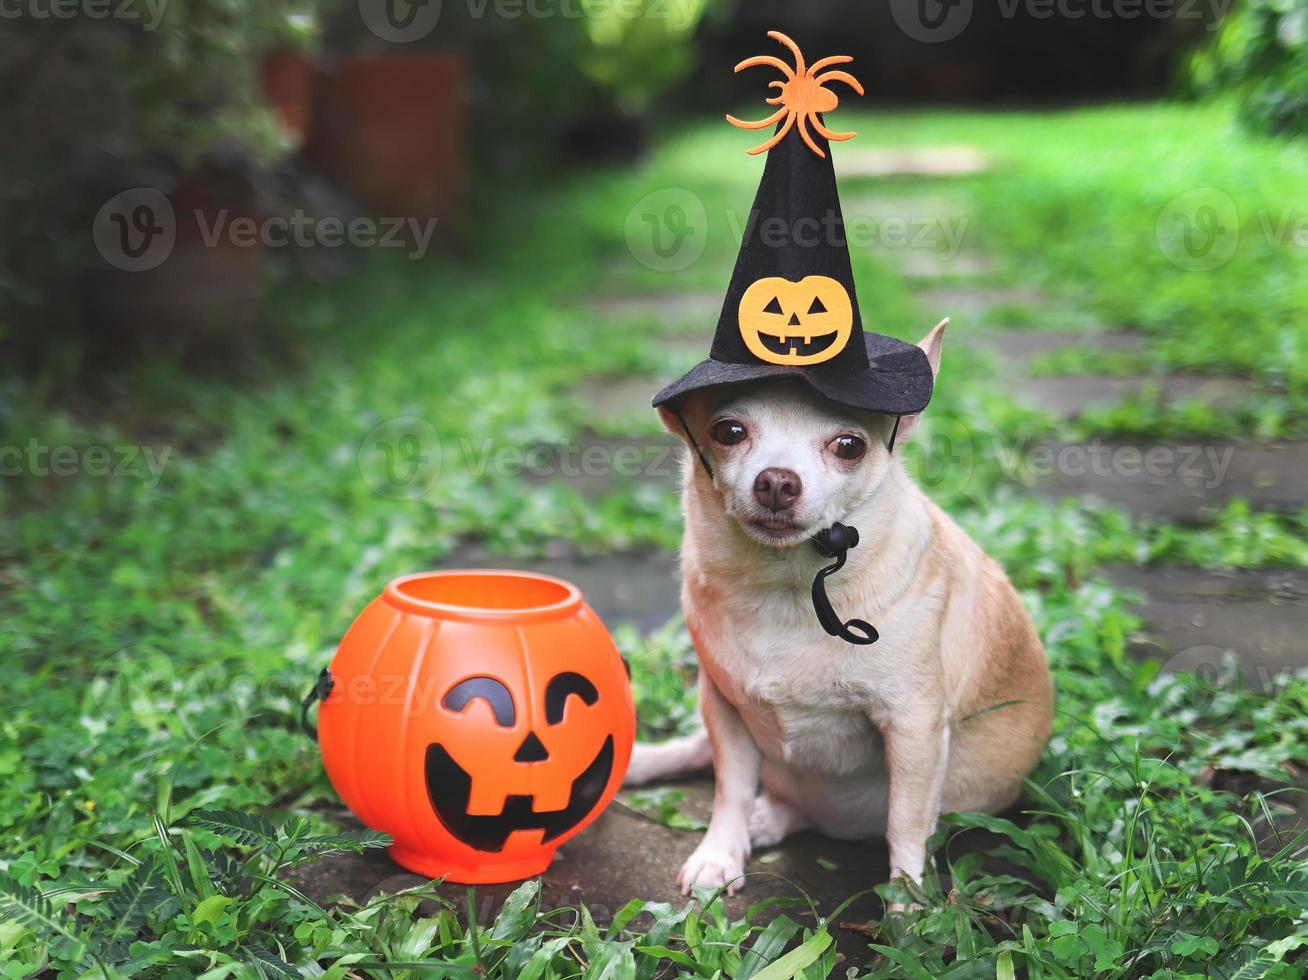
column 547, row 778
column 805, row 322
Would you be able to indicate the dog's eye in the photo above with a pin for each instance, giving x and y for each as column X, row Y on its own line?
column 728, row 432
column 849, row 447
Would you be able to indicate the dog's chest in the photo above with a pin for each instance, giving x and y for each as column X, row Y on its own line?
column 831, row 738
column 810, row 701
column 804, row 699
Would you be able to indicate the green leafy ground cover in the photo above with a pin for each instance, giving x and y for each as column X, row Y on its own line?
column 152, row 782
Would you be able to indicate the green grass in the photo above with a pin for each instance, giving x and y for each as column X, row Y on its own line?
column 153, row 783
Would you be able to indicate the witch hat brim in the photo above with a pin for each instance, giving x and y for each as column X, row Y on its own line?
column 791, row 309
column 897, row 380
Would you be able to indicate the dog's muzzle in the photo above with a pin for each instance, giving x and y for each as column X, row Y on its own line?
column 834, row 542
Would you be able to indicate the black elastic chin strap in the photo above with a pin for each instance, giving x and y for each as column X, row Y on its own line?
column 703, row 460
column 890, row 446
column 834, row 542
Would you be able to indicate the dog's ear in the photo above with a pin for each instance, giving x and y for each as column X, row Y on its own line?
column 931, row 345
column 670, row 421
column 693, row 408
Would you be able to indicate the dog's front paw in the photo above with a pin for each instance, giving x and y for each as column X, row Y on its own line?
column 712, row 867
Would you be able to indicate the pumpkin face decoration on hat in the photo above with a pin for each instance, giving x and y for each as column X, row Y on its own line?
column 803, row 322
column 791, row 309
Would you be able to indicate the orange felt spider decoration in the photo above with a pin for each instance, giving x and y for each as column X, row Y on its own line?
column 802, row 96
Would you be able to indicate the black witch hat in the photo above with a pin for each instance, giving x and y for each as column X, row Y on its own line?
column 791, row 310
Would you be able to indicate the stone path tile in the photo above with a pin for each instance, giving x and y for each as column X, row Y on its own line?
column 1193, row 617
column 911, row 161
column 1183, row 480
column 1068, row 396
column 639, row 587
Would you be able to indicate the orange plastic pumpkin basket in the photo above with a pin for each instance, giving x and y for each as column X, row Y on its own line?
column 481, row 718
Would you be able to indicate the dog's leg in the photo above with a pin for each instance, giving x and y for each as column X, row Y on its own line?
column 917, row 754
column 720, row 857
column 675, row 757
column 773, row 820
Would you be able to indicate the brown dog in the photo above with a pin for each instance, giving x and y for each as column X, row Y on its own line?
column 948, row 711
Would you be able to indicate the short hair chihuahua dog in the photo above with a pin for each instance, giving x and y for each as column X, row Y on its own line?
column 948, row 711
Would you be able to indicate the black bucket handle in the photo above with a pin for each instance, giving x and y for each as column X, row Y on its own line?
column 322, row 687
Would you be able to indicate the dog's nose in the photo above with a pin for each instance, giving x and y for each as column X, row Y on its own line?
column 777, row 489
